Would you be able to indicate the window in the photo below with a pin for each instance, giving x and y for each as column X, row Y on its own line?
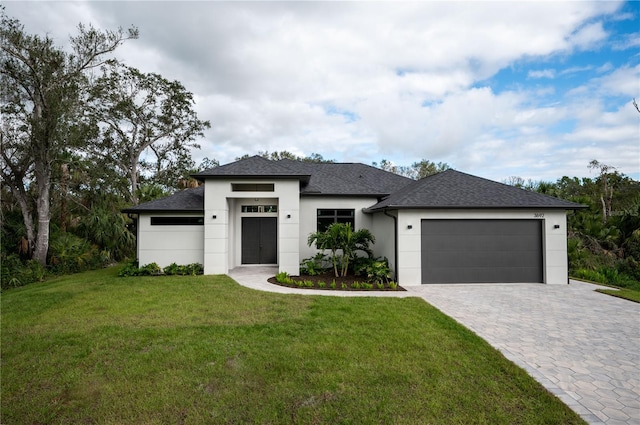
column 252, row 187
column 259, row 208
column 326, row 217
column 177, row 221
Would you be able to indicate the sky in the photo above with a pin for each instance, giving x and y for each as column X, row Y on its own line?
column 531, row 89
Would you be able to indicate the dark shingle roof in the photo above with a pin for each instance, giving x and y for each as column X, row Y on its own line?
column 188, row 200
column 453, row 189
column 252, row 167
column 346, row 179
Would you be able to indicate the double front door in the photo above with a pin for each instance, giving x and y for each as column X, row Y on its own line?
column 259, row 240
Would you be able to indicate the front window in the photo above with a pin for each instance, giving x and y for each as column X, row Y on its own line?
column 177, row 221
column 326, row 217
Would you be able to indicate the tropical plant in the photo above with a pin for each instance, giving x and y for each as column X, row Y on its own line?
column 340, row 237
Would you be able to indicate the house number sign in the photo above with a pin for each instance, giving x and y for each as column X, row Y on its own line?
column 538, row 215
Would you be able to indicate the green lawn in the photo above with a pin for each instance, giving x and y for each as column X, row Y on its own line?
column 96, row 348
column 627, row 294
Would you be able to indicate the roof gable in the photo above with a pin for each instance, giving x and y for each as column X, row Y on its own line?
column 454, row 189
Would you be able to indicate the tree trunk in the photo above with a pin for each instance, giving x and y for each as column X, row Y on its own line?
column 43, row 179
column 63, row 199
column 27, row 217
column 134, row 180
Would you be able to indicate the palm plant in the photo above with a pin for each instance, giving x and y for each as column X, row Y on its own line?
column 341, row 237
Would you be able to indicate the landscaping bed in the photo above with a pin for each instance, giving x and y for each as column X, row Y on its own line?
column 328, row 281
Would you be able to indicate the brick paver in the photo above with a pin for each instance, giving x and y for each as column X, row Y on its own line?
column 583, row 346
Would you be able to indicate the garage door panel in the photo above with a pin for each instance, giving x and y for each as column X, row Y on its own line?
column 469, row 251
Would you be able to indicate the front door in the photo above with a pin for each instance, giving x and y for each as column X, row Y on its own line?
column 259, row 240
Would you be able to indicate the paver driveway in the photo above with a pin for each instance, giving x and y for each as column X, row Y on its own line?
column 581, row 345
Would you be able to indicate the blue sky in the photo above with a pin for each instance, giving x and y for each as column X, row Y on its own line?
column 495, row 89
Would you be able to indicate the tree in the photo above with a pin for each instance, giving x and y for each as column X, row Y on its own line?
column 416, row 171
column 147, row 126
column 607, row 189
column 426, row 168
column 40, row 85
column 277, row 156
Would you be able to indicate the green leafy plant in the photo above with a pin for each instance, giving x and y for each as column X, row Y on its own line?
column 151, row 269
column 314, row 266
column 130, row 269
column 355, row 285
column 340, row 237
column 393, row 285
column 171, row 269
column 283, row 277
column 322, row 284
column 333, row 285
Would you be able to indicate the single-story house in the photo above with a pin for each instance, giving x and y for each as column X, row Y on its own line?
column 450, row 227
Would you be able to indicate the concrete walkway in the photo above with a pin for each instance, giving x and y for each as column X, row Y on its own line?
column 581, row 345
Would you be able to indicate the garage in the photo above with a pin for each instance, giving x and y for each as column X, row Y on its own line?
column 481, row 251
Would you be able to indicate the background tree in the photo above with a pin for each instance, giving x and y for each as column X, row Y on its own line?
column 40, row 86
column 276, row 156
column 147, row 127
column 606, row 196
column 416, row 171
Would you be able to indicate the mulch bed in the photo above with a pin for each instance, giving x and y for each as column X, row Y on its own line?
column 328, row 278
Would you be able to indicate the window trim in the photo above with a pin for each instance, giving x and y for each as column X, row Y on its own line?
column 335, row 216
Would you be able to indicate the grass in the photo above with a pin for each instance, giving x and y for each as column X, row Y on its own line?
column 630, row 293
column 627, row 294
column 95, row 348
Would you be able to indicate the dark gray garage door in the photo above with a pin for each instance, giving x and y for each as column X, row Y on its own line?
column 481, row 251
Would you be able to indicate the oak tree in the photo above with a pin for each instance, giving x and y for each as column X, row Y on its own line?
column 40, row 86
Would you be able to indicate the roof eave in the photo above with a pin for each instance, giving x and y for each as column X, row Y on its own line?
column 151, row 210
column 304, row 178
column 486, row 207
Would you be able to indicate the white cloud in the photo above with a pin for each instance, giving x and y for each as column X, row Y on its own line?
column 544, row 73
column 271, row 76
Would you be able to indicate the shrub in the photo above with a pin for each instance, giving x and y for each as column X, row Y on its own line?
column 130, row 269
column 153, row 269
column 366, row 285
column 314, row 266
column 322, row 284
column 333, row 285
column 171, row 269
column 16, row 273
column 309, row 283
column 69, row 253
column 283, row 277
column 355, row 285
column 393, row 285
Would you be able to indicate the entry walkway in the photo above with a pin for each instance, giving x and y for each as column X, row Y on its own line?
column 581, row 345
